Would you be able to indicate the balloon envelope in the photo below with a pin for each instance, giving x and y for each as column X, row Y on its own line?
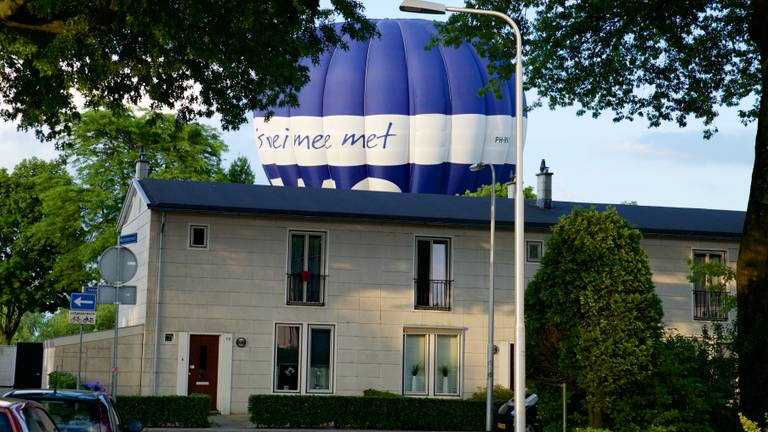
column 388, row 115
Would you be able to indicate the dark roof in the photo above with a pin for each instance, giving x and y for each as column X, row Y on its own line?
column 419, row 208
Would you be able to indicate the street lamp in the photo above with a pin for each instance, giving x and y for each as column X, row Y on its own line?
column 418, row 6
column 489, row 395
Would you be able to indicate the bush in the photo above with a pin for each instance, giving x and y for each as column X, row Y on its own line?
column 166, row 411
column 501, row 394
column 358, row 412
column 381, row 393
column 62, row 380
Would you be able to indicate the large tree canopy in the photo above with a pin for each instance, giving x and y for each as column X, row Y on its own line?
column 195, row 56
column 661, row 61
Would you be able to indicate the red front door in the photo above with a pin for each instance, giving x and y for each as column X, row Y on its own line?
column 203, row 365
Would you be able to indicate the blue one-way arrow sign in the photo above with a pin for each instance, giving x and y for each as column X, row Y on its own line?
column 82, row 302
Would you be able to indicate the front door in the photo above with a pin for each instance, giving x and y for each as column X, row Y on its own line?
column 29, row 365
column 203, row 365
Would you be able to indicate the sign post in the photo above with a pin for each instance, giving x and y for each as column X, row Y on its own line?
column 117, row 265
column 82, row 310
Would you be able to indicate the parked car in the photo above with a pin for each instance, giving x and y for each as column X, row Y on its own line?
column 505, row 420
column 79, row 410
column 18, row 415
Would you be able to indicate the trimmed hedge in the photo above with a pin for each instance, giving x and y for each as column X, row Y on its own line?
column 359, row 412
column 166, row 411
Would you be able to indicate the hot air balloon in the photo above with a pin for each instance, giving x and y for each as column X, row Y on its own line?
column 388, row 115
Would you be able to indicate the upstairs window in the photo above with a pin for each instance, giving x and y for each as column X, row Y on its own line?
column 198, row 236
column 708, row 305
column 433, row 273
column 533, row 250
column 306, row 268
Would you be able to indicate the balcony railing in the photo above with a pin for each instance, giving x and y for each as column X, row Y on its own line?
column 305, row 288
column 708, row 305
column 433, row 294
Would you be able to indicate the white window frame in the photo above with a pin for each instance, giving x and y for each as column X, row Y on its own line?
column 304, row 357
column 431, row 367
column 190, row 237
column 724, row 257
column 323, row 264
column 528, row 243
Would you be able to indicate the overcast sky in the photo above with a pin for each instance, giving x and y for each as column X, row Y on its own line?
column 594, row 160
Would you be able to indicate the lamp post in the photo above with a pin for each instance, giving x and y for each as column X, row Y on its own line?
column 427, row 7
column 489, row 395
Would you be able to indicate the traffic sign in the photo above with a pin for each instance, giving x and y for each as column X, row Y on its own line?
column 82, row 317
column 107, row 294
column 82, row 302
column 129, row 238
column 117, row 264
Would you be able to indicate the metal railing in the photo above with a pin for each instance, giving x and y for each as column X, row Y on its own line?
column 709, row 305
column 433, row 294
column 306, row 289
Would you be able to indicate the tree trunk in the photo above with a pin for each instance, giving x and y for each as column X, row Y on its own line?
column 595, row 413
column 752, row 272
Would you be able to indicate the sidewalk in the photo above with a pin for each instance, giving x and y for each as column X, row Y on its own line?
column 240, row 423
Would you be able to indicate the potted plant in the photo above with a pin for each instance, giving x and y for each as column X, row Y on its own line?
column 415, row 369
column 444, row 372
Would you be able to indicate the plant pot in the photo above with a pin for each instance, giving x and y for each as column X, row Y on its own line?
column 445, row 384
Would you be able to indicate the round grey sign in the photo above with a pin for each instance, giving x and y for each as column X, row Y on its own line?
column 117, row 265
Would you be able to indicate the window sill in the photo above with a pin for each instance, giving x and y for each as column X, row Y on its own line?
column 316, row 304
column 710, row 319
column 435, row 308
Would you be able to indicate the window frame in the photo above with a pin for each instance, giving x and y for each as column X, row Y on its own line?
column 323, row 266
column 694, row 288
column 305, row 357
column 449, row 263
column 528, row 244
column 431, row 360
column 190, row 236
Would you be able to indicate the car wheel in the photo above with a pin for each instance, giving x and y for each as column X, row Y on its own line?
column 529, row 428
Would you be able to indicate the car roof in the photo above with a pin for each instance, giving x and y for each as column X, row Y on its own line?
column 54, row 394
column 6, row 402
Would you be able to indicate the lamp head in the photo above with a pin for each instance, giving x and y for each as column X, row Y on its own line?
column 424, row 7
column 478, row 167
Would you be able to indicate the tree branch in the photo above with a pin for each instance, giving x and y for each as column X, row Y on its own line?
column 8, row 9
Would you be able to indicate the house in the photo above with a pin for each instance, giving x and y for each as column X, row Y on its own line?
column 258, row 289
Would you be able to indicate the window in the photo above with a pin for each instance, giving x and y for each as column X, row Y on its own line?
column 708, row 304
column 287, row 357
column 290, row 347
column 198, row 236
column 433, row 273
column 306, row 268
column 533, row 251
column 431, row 364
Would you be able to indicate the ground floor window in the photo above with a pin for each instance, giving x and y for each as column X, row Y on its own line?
column 431, row 363
column 293, row 350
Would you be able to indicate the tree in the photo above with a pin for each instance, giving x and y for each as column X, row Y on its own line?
column 662, row 62
column 194, row 56
column 501, row 191
column 239, row 171
column 592, row 315
column 103, row 148
column 40, row 239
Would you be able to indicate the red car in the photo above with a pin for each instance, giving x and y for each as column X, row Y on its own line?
column 24, row 416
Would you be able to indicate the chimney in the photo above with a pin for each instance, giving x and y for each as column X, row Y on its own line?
column 142, row 166
column 544, row 187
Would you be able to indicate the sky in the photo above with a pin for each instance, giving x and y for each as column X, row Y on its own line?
column 593, row 160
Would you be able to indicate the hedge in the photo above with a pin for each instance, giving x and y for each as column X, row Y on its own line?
column 358, row 412
column 166, row 411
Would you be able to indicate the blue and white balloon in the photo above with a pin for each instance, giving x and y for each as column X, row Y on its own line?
column 388, row 115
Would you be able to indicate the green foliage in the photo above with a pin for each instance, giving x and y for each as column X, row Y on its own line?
column 380, row 394
column 593, row 319
column 62, row 380
column 166, row 411
column 103, row 148
column 36, row 327
column 239, row 171
column 501, row 191
column 193, row 56
column 714, row 276
column 355, row 412
column 501, row 394
column 41, row 236
column 749, row 425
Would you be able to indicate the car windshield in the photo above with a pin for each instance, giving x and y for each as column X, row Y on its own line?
column 73, row 415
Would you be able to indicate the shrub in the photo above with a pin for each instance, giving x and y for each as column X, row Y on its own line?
column 166, row 411
column 62, row 380
column 359, row 412
column 501, row 394
column 381, row 393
